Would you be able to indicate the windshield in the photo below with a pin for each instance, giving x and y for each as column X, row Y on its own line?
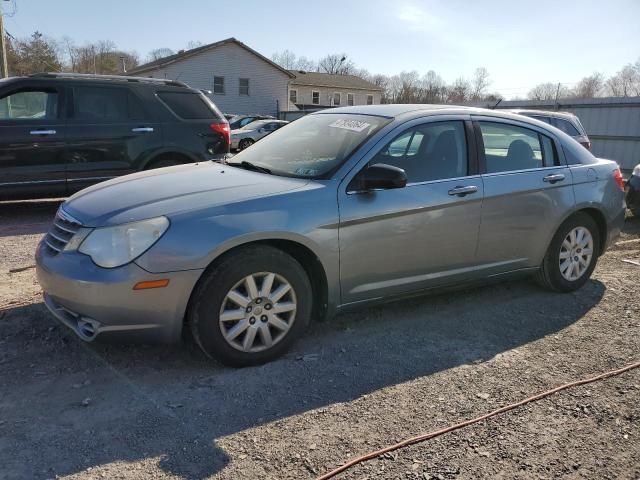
column 312, row 146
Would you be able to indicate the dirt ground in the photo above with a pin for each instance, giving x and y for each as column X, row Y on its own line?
column 353, row 384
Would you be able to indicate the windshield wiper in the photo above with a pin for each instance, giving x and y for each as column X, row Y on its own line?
column 250, row 166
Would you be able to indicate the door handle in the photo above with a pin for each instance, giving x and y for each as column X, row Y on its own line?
column 553, row 178
column 42, row 132
column 142, row 130
column 462, row 191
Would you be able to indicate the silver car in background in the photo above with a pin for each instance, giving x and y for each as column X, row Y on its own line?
column 565, row 121
column 246, row 136
column 339, row 209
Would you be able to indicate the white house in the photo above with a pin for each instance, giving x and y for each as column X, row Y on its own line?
column 243, row 81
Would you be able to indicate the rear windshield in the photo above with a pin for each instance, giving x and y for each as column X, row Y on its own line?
column 313, row 146
column 190, row 106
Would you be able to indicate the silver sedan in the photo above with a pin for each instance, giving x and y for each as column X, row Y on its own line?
column 339, row 209
column 246, row 136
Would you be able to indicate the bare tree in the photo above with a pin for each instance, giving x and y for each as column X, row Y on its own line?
column 159, row 53
column 548, row 91
column 590, row 86
column 625, row 83
column 479, row 83
column 433, row 88
column 306, row 64
column 336, row 64
column 286, row 59
column 459, row 91
column 194, row 44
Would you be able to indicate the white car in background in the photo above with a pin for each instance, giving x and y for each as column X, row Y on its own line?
column 249, row 134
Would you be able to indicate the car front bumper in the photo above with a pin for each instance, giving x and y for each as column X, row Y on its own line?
column 100, row 303
column 632, row 196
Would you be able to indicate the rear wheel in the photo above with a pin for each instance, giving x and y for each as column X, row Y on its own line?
column 245, row 143
column 251, row 307
column 572, row 255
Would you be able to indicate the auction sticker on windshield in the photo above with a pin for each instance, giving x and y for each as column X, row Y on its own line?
column 353, row 125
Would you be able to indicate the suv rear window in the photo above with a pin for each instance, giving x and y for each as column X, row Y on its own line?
column 567, row 127
column 190, row 106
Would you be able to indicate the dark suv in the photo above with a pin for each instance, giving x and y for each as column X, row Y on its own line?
column 60, row 133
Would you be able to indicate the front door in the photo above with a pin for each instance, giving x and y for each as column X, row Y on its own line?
column 423, row 235
column 527, row 191
column 32, row 144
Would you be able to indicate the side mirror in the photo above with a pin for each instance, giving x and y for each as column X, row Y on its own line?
column 381, row 176
column 260, row 130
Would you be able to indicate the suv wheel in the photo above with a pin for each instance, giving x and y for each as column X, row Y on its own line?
column 572, row 255
column 251, row 307
column 245, row 143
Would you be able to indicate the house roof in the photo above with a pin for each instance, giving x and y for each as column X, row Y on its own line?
column 162, row 62
column 317, row 79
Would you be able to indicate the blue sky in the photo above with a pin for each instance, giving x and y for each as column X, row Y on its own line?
column 521, row 43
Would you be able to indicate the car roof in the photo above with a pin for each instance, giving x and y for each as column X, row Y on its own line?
column 544, row 113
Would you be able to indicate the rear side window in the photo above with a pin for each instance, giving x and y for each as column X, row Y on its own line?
column 29, row 105
column 100, row 104
column 190, row 106
column 542, row 119
column 567, row 127
column 510, row 148
column 433, row 151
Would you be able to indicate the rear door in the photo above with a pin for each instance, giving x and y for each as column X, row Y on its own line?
column 109, row 134
column 32, row 141
column 423, row 235
column 527, row 191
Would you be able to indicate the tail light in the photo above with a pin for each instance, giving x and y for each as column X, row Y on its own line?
column 586, row 145
column 617, row 176
column 223, row 129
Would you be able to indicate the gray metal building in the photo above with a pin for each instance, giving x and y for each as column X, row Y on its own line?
column 613, row 124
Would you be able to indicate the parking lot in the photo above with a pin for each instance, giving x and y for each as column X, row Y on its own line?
column 353, row 384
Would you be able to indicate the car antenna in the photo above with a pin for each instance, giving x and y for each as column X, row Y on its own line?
column 496, row 104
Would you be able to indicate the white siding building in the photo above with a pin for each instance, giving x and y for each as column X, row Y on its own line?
column 242, row 80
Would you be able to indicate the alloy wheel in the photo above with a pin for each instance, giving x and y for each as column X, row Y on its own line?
column 257, row 312
column 576, row 253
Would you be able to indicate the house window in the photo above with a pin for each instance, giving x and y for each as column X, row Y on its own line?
column 293, row 96
column 336, row 98
column 369, row 99
column 350, row 99
column 218, row 85
column 315, row 98
column 244, row 86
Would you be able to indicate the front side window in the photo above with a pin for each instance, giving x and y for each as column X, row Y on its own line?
column 315, row 98
column 312, row 146
column 350, row 99
column 337, row 97
column 510, row 148
column 369, row 99
column 29, row 105
column 218, row 85
column 432, row 151
column 100, row 104
column 244, row 86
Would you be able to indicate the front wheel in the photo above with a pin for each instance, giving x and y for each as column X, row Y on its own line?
column 572, row 255
column 251, row 307
column 245, row 143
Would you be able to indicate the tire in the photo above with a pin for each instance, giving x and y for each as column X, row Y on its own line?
column 245, row 143
column 551, row 274
column 212, row 298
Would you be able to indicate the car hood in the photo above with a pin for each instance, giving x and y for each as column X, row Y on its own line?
column 170, row 190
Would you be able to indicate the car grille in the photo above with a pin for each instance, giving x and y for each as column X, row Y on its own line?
column 64, row 227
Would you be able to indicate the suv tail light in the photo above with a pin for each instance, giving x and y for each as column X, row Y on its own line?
column 617, row 176
column 223, row 129
column 586, row 145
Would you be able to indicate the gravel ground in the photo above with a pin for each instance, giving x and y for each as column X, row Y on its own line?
column 353, row 384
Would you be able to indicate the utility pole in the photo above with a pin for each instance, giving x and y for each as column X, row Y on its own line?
column 4, row 71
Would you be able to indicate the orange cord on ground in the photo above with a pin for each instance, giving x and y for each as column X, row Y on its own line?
column 437, row 433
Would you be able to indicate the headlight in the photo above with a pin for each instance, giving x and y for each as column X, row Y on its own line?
column 111, row 247
column 636, row 171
